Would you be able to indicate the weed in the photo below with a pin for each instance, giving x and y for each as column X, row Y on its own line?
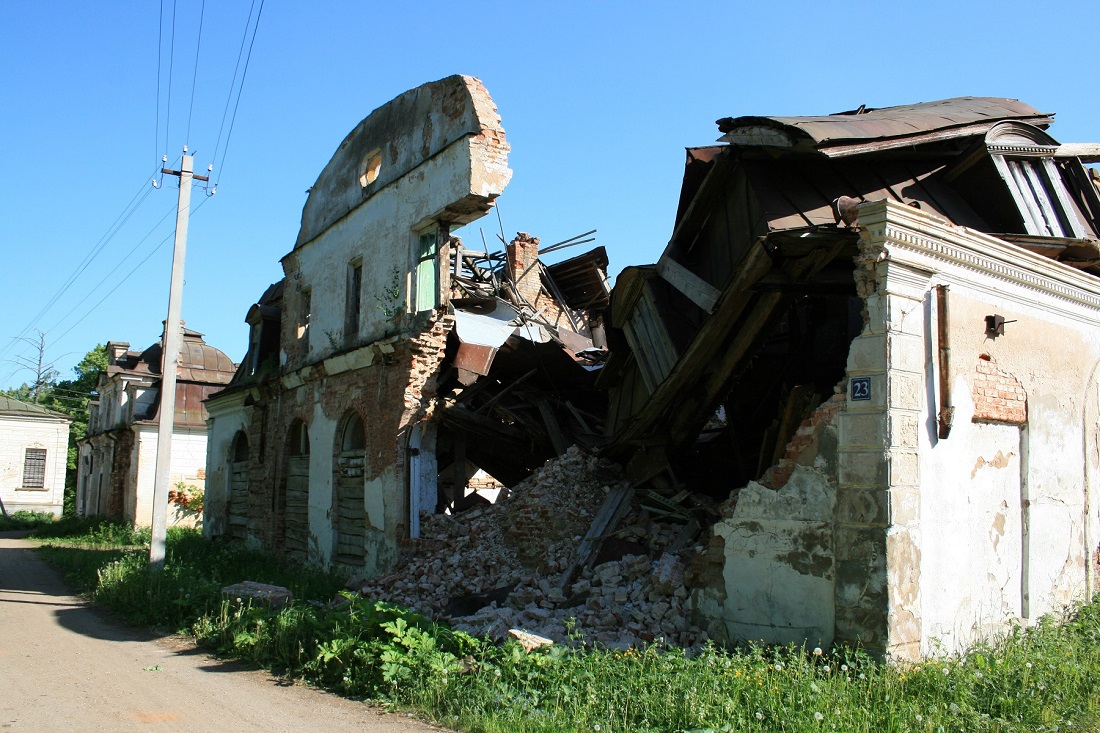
column 1033, row 679
column 25, row 520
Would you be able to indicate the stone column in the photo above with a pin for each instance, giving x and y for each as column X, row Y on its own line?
column 878, row 497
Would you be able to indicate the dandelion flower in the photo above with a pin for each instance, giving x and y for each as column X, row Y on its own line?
column 844, row 668
column 778, row 666
column 862, row 676
column 817, row 651
column 920, row 718
column 947, row 670
column 1028, row 665
column 819, row 717
column 759, row 715
column 596, row 727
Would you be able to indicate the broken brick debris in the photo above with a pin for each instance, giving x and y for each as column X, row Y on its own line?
column 499, row 568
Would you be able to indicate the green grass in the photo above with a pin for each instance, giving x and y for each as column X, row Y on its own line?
column 1041, row 678
column 24, row 520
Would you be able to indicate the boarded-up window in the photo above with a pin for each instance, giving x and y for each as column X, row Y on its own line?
column 427, row 272
column 34, row 468
column 296, row 513
column 1041, row 195
column 238, row 487
column 351, row 515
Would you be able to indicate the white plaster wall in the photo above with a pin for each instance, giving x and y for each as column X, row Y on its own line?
column 16, row 435
column 187, row 464
column 1006, row 530
column 972, row 549
column 382, row 231
column 778, row 571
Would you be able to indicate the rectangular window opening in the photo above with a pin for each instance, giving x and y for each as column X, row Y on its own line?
column 355, row 296
column 304, row 316
column 427, row 271
column 34, row 468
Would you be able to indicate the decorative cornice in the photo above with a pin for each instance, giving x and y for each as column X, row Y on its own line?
column 898, row 229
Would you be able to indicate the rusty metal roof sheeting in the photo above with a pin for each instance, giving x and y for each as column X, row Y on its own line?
column 198, row 362
column 889, row 127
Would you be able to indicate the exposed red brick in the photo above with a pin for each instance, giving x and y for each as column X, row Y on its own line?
column 998, row 396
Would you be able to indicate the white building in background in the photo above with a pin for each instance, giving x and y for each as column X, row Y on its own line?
column 117, row 461
column 34, row 444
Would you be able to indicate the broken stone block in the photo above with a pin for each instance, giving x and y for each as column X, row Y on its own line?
column 275, row 596
column 529, row 641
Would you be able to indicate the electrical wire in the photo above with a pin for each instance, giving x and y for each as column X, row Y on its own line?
column 171, row 66
column 160, row 54
column 240, row 88
column 195, row 76
column 126, row 257
column 126, row 277
column 128, row 211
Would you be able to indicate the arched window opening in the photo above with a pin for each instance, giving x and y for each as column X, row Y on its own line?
column 350, row 517
column 298, row 439
column 238, row 487
column 295, row 536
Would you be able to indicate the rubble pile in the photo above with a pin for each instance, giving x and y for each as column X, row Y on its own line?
column 500, row 567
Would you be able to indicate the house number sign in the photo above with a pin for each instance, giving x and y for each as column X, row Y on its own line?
column 861, row 388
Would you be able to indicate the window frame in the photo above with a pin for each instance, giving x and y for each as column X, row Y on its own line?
column 34, row 468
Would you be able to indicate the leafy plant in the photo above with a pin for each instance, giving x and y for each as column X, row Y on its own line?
column 188, row 497
column 389, row 298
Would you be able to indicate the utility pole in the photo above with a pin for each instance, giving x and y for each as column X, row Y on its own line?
column 170, row 363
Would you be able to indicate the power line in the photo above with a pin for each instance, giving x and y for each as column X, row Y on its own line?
column 117, row 265
column 116, row 226
column 126, row 277
column 171, row 66
column 195, row 76
column 240, row 88
column 156, row 121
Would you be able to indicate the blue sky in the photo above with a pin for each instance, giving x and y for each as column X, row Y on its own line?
column 599, row 100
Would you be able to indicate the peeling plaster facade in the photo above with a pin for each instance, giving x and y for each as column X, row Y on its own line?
column 318, row 459
column 911, row 544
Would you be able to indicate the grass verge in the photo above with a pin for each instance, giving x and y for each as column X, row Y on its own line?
column 1036, row 679
column 24, row 520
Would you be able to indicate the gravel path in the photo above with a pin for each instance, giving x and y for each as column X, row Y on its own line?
column 67, row 667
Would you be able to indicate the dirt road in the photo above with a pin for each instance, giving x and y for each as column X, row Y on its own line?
column 67, row 667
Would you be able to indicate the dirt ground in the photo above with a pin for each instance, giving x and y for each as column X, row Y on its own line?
column 67, row 667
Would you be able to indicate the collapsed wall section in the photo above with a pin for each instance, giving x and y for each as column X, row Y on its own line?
column 769, row 569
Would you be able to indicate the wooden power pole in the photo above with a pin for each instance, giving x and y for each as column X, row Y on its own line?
column 170, row 363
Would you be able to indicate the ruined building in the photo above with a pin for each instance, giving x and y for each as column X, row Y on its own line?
column 117, row 460
column 873, row 338
column 859, row 392
column 393, row 371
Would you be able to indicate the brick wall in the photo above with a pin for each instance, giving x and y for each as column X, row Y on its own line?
column 998, row 396
column 523, row 256
column 801, row 450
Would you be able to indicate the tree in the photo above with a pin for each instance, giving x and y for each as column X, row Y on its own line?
column 45, row 376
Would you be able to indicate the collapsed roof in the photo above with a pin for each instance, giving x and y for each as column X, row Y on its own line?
column 754, row 294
